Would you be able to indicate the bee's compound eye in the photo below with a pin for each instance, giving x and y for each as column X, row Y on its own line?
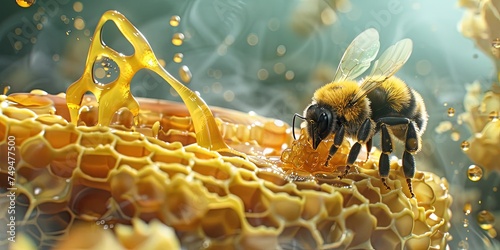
column 323, row 123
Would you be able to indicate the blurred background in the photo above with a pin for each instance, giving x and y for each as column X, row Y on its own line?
column 269, row 57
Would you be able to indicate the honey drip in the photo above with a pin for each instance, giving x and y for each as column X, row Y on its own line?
column 115, row 95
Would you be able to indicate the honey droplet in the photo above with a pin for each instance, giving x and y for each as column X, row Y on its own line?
column 175, row 20
column 185, row 74
column 465, row 146
column 451, row 112
column 178, row 57
column 496, row 43
column 25, row 3
column 467, row 208
column 485, row 219
column 6, row 90
column 178, row 39
column 493, row 116
column 475, row 173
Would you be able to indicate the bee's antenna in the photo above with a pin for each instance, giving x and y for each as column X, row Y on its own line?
column 293, row 123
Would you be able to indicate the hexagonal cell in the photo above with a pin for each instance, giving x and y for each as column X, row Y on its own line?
column 213, row 168
column 221, row 223
column 89, row 203
column 92, row 140
column 132, row 149
column 36, row 152
column 297, row 237
column 97, row 163
column 170, row 157
column 24, row 131
column 252, row 197
column 59, row 137
column 54, row 223
column 65, row 162
column 385, row 239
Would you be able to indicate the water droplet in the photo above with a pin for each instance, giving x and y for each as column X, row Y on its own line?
column 281, row 50
column 467, row 208
column 465, row 146
column 25, row 3
column 289, row 75
column 185, row 74
column 178, row 57
column 105, row 227
column 493, row 116
column 178, row 39
column 466, row 223
column 455, row 135
column 78, row 6
column 262, row 74
column 496, row 43
column 485, row 219
column 463, row 245
column 252, row 39
column 175, row 20
column 475, row 173
column 451, row 112
column 79, row 23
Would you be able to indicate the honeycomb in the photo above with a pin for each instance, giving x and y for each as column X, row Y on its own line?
column 149, row 179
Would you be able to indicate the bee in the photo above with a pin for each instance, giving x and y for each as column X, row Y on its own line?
column 379, row 103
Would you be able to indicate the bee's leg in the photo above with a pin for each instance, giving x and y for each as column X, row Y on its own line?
column 411, row 146
column 337, row 141
column 364, row 134
column 384, row 164
column 369, row 144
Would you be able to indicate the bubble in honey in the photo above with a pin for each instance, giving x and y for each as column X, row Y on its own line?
column 25, row 3
column 175, row 20
column 289, row 75
column 279, row 68
column 496, row 43
column 252, row 39
column 68, row 32
column 475, row 173
column 465, row 145
column 185, row 74
column 178, row 39
column 485, row 219
column 273, row 24
column 451, row 112
column 493, row 116
column 178, row 57
column 467, row 208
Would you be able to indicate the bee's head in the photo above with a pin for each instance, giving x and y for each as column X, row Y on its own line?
column 321, row 121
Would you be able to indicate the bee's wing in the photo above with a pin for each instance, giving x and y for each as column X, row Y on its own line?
column 386, row 66
column 358, row 56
